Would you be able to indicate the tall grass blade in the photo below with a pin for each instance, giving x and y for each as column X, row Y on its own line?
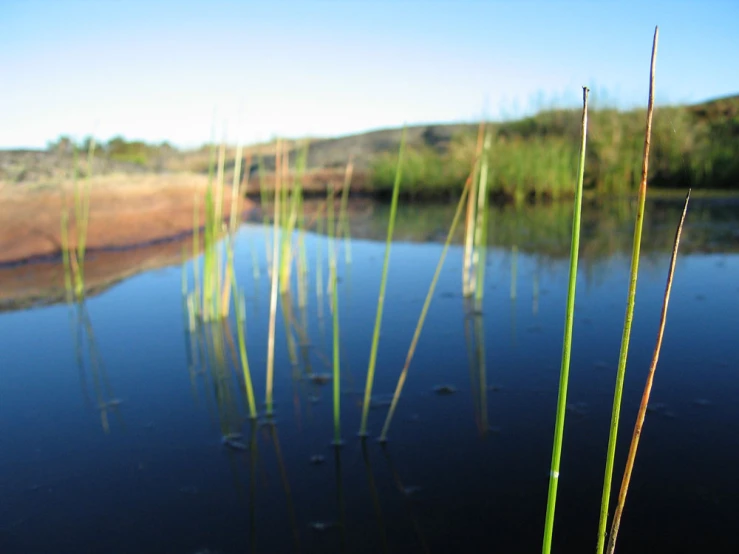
column 424, row 311
column 383, row 285
column 630, row 301
column 567, row 341
column 273, row 297
column 241, row 336
column 467, row 271
column 336, row 364
column 647, row 389
column 481, row 225
column 345, row 231
column 331, row 227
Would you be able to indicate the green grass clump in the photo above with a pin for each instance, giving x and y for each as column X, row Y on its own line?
column 535, row 157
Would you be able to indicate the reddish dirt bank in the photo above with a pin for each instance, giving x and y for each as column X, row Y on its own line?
column 126, row 211
column 42, row 283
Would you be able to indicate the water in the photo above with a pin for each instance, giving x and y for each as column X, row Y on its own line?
column 111, row 418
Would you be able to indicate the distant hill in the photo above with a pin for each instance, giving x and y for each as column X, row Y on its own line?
column 696, row 145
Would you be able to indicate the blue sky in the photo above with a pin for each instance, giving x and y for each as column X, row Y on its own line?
column 156, row 70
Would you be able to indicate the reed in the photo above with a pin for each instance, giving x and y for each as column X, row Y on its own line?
column 264, row 202
column 213, row 287
column 345, row 230
column 82, row 221
column 66, row 260
column 638, row 426
column 302, row 260
column 331, row 232
column 292, row 194
column 567, row 341
column 241, row 336
column 630, row 301
column 424, row 311
column 73, row 259
column 383, row 286
column 319, row 269
column 273, row 297
column 481, row 226
column 468, row 275
column 332, row 290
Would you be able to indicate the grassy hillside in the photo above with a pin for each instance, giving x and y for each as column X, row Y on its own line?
column 533, row 157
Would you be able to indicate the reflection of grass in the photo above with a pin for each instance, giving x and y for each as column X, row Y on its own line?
column 84, row 335
column 478, row 369
column 544, row 230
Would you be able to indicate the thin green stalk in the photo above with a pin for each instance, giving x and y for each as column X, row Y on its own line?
column 319, row 269
column 83, row 220
column 331, row 228
column 241, row 336
column 630, row 301
column 383, row 285
column 217, row 266
column 290, row 221
column 196, row 250
column 336, row 369
column 424, row 310
column 567, row 341
column 264, row 195
column 231, row 237
column 65, row 256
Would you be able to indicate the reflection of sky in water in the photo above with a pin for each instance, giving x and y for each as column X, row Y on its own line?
column 65, row 481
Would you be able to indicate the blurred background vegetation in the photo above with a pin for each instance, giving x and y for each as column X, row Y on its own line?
column 531, row 158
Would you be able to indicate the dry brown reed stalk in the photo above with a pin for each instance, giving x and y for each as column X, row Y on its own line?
column 647, row 388
column 469, row 185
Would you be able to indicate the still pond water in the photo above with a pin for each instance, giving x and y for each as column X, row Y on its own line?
column 111, row 417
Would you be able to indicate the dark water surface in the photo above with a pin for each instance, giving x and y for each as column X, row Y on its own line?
column 111, row 416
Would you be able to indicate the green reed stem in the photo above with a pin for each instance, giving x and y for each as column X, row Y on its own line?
column 83, row 221
column 65, row 256
column 331, row 228
column 241, row 336
column 196, row 250
column 383, row 286
column 567, row 342
column 336, row 369
column 424, row 311
column 630, row 301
